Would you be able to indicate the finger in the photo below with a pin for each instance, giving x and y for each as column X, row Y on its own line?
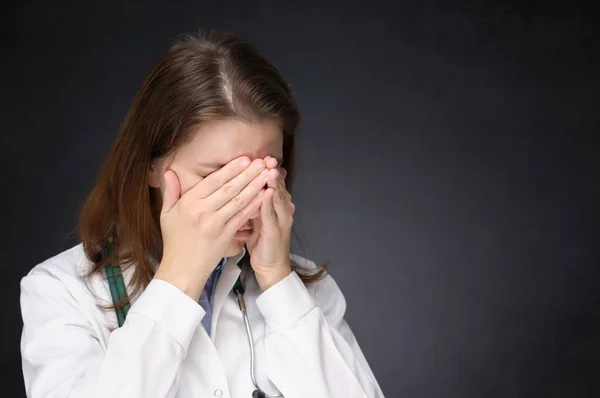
column 216, row 180
column 171, row 191
column 280, row 195
column 283, row 173
column 235, row 189
column 272, row 179
column 267, row 211
column 271, row 162
column 277, row 182
column 234, row 204
column 256, row 213
column 237, row 220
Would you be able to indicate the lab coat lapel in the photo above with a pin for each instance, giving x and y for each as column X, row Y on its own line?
column 229, row 275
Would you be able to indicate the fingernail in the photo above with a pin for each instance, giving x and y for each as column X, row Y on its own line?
column 261, row 193
column 264, row 174
column 245, row 162
column 260, row 165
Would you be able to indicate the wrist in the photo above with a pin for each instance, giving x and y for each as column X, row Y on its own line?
column 267, row 279
column 190, row 286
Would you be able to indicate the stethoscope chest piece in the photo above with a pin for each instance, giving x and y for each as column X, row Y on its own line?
column 258, row 394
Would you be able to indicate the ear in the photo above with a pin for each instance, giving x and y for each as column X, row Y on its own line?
column 155, row 174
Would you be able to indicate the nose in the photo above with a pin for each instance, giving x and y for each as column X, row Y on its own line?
column 253, row 216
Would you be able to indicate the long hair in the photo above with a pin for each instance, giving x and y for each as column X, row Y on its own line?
column 201, row 78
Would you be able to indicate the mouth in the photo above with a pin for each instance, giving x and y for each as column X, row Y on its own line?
column 244, row 232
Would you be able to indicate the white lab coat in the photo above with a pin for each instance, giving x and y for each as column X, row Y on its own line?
column 304, row 348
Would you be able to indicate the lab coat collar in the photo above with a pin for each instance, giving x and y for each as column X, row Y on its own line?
column 229, row 275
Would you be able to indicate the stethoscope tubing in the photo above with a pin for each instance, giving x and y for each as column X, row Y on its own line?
column 259, row 393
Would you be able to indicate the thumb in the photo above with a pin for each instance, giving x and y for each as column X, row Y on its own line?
column 171, row 192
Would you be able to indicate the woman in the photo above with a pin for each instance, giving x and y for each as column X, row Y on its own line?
column 185, row 255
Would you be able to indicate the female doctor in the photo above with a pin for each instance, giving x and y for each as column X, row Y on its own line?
column 184, row 285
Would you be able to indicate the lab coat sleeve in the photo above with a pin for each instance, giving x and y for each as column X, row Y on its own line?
column 311, row 351
column 62, row 356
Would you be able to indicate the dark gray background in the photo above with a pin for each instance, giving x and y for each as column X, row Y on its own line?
column 447, row 169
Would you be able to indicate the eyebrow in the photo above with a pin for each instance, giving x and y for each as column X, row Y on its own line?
column 219, row 165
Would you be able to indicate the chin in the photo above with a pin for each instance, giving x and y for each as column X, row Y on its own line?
column 235, row 247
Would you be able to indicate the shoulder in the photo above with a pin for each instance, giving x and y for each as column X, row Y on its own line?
column 303, row 262
column 63, row 275
column 71, row 263
column 327, row 294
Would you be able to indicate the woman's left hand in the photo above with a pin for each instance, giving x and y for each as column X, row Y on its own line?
column 269, row 245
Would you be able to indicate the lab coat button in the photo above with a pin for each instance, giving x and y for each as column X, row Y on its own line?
column 218, row 393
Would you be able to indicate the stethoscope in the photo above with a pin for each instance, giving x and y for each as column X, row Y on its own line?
column 238, row 290
column 118, row 293
column 239, row 294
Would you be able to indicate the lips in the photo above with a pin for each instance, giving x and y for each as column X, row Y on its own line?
column 244, row 233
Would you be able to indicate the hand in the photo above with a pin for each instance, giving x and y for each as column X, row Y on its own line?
column 269, row 245
column 197, row 227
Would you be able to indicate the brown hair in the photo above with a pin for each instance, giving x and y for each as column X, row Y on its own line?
column 203, row 77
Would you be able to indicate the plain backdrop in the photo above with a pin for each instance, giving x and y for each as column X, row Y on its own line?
column 447, row 168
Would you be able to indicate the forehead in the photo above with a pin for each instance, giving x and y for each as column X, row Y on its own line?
column 221, row 141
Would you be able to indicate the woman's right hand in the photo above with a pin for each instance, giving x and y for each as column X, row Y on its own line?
column 198, row 226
